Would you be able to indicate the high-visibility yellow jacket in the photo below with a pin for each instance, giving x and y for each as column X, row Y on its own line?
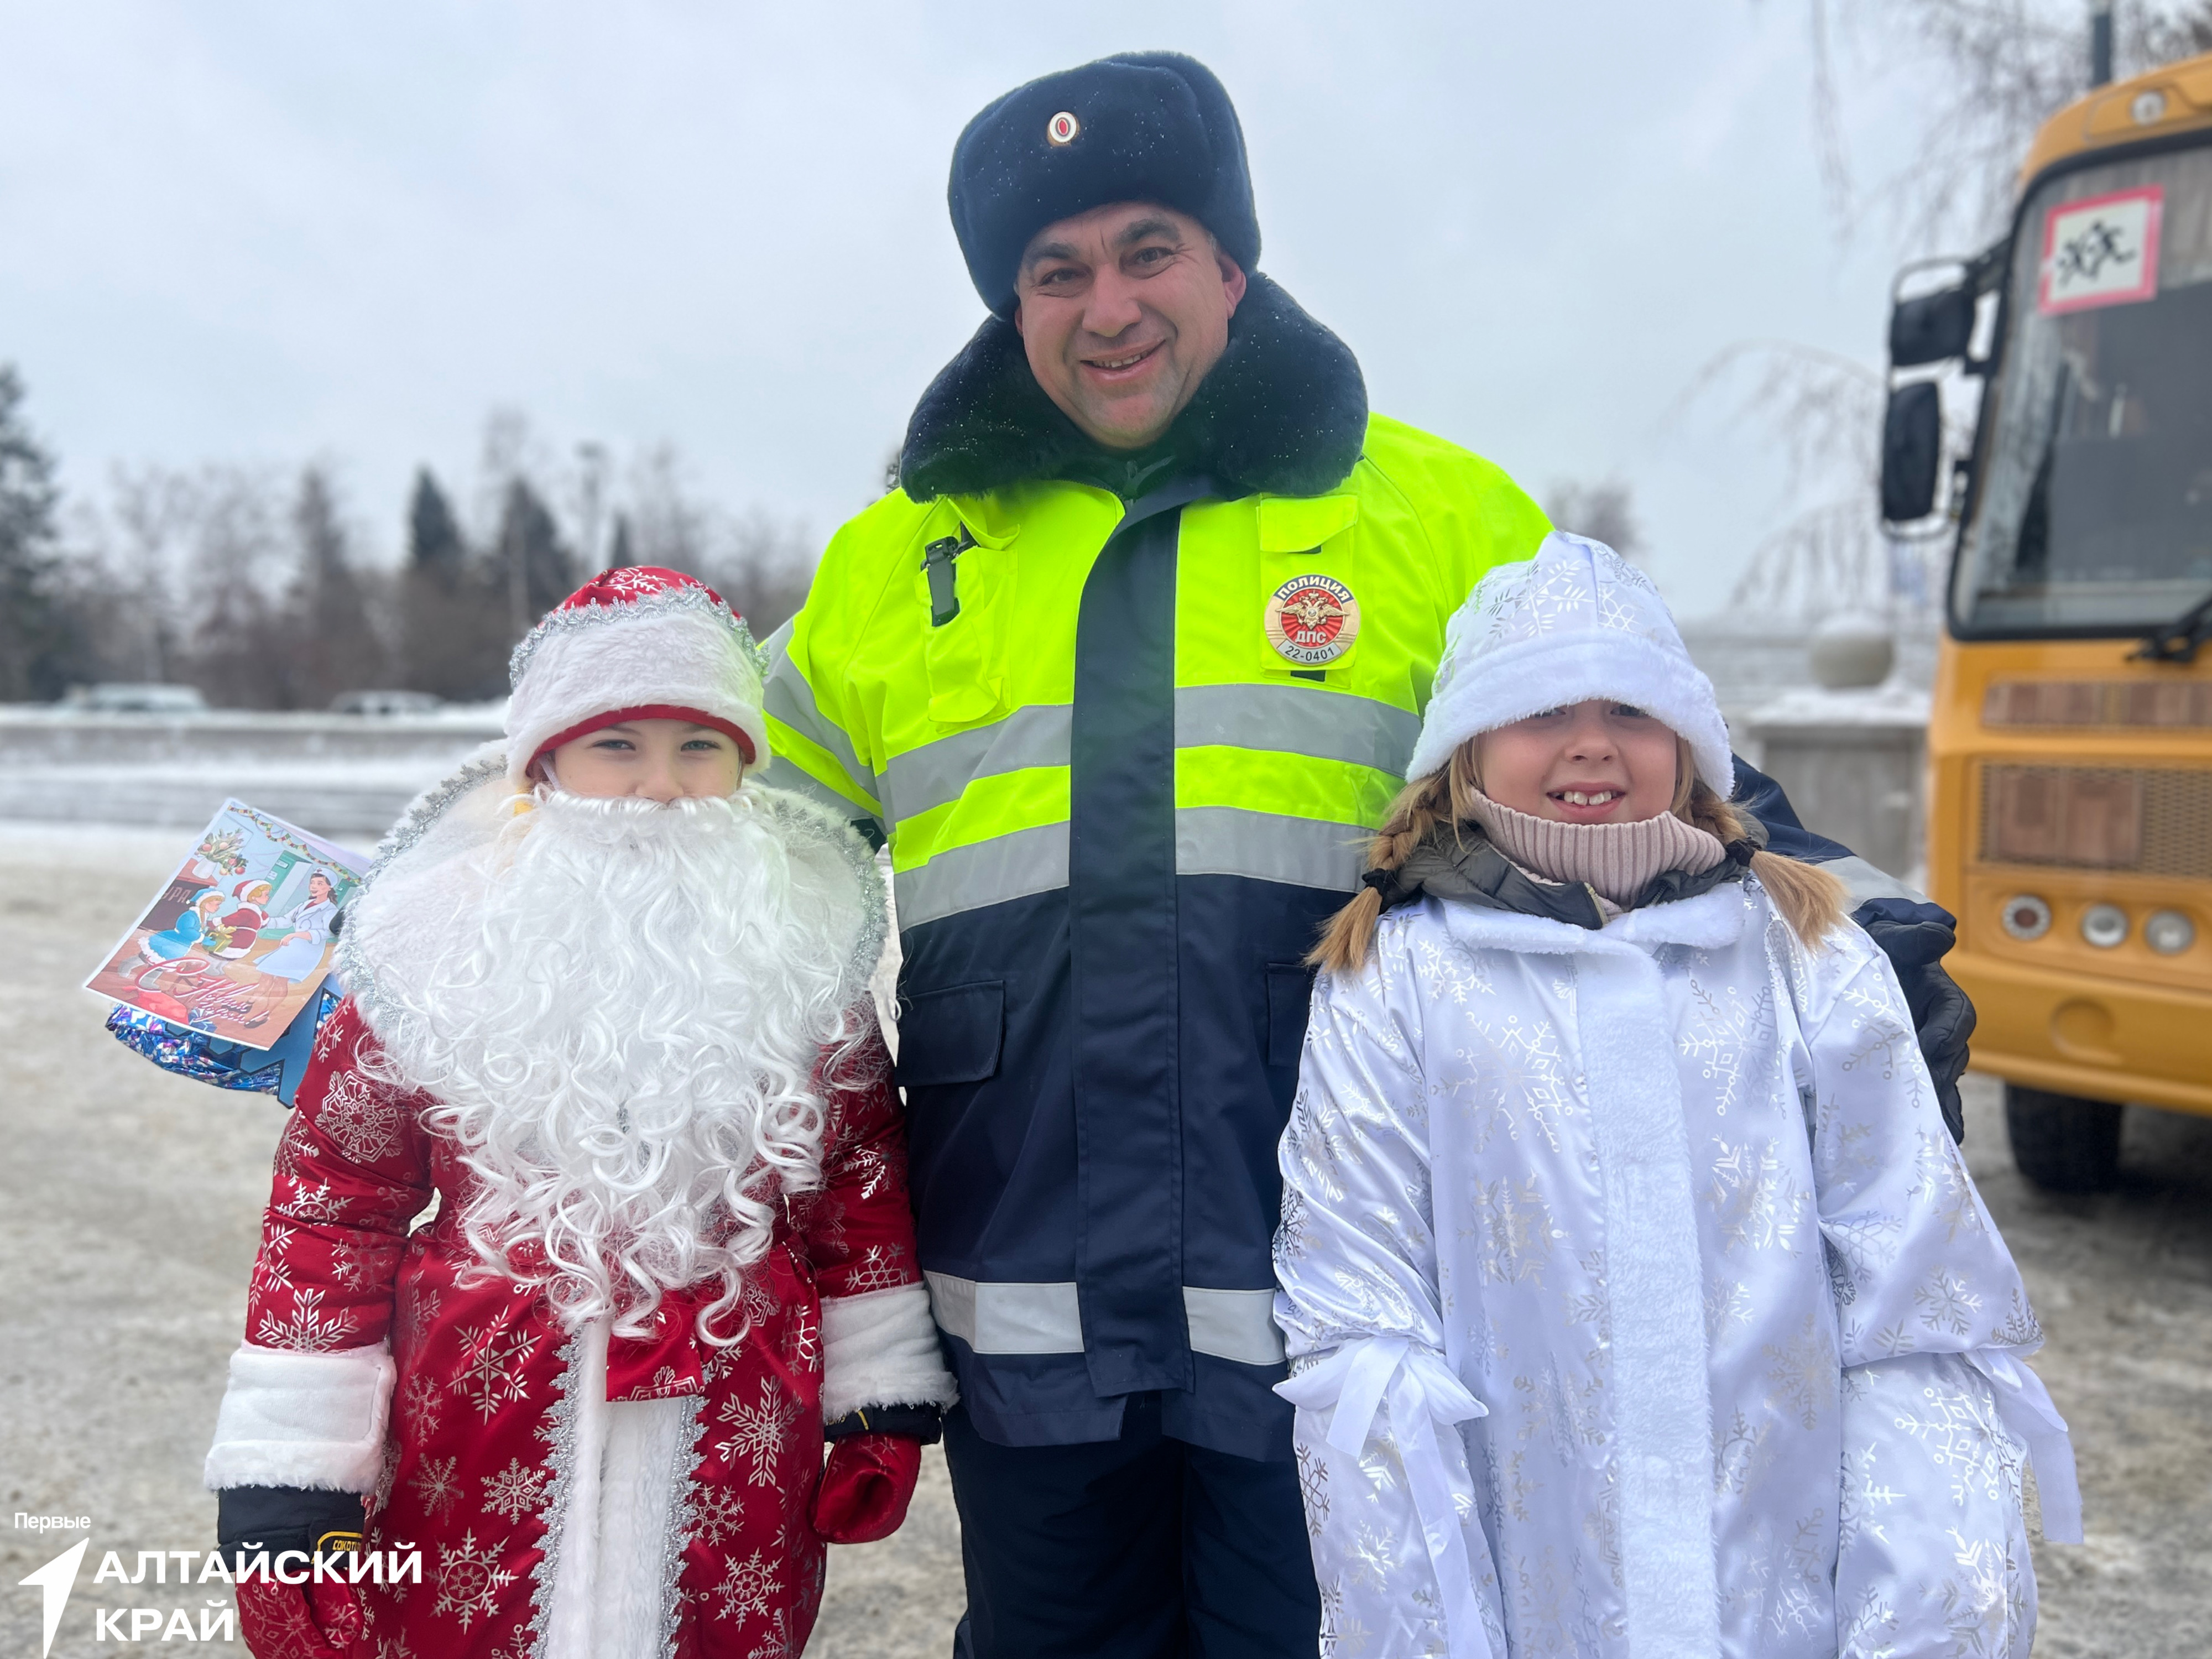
column 1125, row 755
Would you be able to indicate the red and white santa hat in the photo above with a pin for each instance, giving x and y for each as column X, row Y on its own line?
column 635, row 644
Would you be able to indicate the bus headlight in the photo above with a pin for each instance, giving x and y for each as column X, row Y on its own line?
column 2105, row 926
column 2025, row 916
column 2169, row 932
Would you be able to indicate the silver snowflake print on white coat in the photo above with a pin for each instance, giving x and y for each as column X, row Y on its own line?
column 1518, row 1080
column 1966, row 1440
column 1515, row 1225
column 1881, row 1034
column 1723, row 1031
column 1803, row 1372
column 1313, row 1486
column 1946, row 1302
column 360, row 1124
column 1756, row 1202
column 1867, row 1497
column 1450, row 975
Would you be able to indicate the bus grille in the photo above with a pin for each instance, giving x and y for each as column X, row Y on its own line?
column 2156, row 823
column 2098, row 703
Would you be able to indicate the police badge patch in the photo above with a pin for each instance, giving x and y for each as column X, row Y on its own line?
column 1312, row 620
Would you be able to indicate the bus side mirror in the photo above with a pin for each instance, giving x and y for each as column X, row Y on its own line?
column 1933, row 328
column 1911, row 451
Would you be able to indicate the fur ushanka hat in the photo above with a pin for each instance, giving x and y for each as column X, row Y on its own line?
column 640, row 643
column 1140, row 126
column 1575, row 621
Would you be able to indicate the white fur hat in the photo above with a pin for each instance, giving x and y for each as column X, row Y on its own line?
column 641, row 643
column 1577, row 621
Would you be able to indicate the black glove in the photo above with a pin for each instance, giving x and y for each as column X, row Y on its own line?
column 922, row 1423
column 278, row 1518
column 1914, row 936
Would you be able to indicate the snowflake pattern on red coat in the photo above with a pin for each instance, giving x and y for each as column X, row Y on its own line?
column 475, row 1437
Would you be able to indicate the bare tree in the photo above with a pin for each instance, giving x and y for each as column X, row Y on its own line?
column 760, row 564
column 1825, row 410
column 1604, row 512
column 1995, row 72
column 331, row 628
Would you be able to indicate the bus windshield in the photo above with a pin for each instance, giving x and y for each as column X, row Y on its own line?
column 2093, row 512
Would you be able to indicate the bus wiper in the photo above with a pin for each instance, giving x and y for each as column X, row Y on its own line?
column 2177, row 641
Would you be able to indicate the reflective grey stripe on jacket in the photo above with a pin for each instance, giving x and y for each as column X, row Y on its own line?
column 1209, row 840
column 1003, row 1318
column 1297, row 719
column 1865, row 881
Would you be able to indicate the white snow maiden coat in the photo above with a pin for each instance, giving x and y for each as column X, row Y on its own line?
column 1639, row 1304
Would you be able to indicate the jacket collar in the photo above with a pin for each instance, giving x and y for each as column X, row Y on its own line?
column 1468, row 868
column 1284, row 411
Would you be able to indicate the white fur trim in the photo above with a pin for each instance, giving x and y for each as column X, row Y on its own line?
column 302, row 1419
column 1662, row 1399
column 637, row 1495
column 880, row 1348
column 602, row 657
column 573, row 1558
column 1577, row 621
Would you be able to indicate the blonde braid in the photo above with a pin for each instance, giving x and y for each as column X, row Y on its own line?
column 1425, row 808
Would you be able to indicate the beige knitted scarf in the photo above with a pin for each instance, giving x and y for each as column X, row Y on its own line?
column 1615, row 858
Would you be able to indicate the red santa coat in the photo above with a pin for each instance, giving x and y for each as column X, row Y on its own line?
column 498, row 1417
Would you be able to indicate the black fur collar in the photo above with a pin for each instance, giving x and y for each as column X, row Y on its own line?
column 1284, row 411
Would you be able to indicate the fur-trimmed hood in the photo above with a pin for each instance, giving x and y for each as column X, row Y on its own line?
column 1284, row 411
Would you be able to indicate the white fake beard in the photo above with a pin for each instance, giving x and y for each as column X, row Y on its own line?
column 622, row 1036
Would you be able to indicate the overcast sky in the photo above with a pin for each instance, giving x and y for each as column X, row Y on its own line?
column 264, row 232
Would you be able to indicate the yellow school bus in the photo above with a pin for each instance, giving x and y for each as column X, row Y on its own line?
column 2070, row 744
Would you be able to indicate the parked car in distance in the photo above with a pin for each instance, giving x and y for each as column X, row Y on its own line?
column 384, row 702
column 127, row 697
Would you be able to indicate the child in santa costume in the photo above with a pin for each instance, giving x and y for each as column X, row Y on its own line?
column 609, row 1011
column 1640, row 1305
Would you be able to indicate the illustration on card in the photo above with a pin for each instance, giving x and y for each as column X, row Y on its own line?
column 240, row 940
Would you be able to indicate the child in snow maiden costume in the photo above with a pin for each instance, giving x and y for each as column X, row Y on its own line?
column 609, row 1008
column 1638, row 1302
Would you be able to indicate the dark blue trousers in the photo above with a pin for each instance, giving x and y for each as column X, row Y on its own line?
column 1142, row 1547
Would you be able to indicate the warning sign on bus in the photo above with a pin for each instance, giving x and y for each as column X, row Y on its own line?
column 2100, row 252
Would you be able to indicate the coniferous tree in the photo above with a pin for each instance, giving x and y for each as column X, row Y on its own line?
column 36, row 638
column 328, row 634
column 537, row 569
column 435, row 546
column 452, row 610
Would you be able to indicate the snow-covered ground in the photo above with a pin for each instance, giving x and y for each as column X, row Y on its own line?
column 341, row 776
column 130, row 1210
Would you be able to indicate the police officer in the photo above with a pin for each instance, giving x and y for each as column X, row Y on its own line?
column 1122, row 672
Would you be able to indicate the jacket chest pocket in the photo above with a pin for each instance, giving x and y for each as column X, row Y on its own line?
column 963, row 591
column 951, row 1036
column 1309, row 614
